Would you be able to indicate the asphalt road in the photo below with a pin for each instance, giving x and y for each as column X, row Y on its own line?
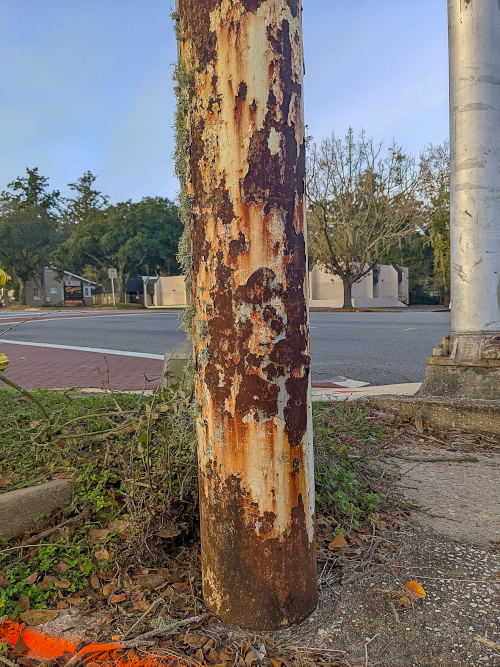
column 377, row 348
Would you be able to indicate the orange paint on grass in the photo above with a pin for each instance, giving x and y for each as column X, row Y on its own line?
column 44, row 646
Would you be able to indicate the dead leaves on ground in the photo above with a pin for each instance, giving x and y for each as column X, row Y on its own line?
column 408, row 595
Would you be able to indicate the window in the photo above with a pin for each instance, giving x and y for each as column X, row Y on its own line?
column 87, row 291
column 53, row 290
column 36, row 293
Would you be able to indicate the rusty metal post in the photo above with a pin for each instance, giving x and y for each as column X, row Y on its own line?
column 243, row 60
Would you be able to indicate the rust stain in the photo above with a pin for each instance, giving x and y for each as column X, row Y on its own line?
column 247, row 164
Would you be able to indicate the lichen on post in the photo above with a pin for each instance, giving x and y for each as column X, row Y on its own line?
column 244, row 181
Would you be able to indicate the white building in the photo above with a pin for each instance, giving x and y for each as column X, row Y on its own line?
column 383, row 287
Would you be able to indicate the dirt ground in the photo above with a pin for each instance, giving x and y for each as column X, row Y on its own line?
column 450, row 545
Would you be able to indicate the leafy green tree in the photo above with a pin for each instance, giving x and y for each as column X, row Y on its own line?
column 417, row 254
column 135, row 238
column 28, row 227
column 86, row 201
column 361, row 202
column 435, row 188
column 30, row 190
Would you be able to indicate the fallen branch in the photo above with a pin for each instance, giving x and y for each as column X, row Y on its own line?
column 33, row 540
column 164, row 631
column 25, row 393
column 439, row 459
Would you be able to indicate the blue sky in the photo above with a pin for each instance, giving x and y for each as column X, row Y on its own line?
column 86, row 84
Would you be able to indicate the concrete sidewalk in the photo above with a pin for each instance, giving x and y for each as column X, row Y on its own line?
column 407, row 389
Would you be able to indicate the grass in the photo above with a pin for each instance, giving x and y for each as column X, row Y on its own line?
column 133, row 458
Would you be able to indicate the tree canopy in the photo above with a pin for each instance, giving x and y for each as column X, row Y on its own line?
column 28, row 227
column 135, row 238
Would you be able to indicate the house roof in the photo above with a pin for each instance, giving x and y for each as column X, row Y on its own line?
column 73, row 275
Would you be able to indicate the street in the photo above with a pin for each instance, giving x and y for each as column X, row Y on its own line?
column 377, row 348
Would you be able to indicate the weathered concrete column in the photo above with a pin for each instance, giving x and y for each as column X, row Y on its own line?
column 466, row 364
column 244, row 64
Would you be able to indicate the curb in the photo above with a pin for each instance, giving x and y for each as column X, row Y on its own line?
column 20, row 509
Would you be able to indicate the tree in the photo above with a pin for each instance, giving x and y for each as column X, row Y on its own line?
column 360, row 204
column 28, row 227
column 131, row 237
column 435, row 189
column 27, row 238
column 417, row 254
column 86, row 201
column 28, row 191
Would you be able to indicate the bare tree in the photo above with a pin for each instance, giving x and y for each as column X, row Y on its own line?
column 361, row 202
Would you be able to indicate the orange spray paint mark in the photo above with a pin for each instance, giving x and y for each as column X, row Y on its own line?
column 44, row 646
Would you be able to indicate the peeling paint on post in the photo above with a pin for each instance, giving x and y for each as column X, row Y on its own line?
column 251, row 332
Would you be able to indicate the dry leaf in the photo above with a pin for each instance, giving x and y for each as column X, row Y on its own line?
column 168, row 533
column 102, row 554
column 75, row 600
column 250, row 657
column 180, row 586
column 419, row 425
column 404, row 601
column 63, row 659
column 213, row 656
column 61, row 567
column 117, row 598
column 337, row 543
column 39, row 616
column 150, row 581
column 122, row 528
column 140, row 605
column 414, row 589
column 109, row 589
column 275, row 662
column 94, row 582
column 62, row 584
column 97, row 534
column 62, row 604
column 199, row 656
column 195, row 641
column 20, row 646
column 32, row 578
column 115, row 638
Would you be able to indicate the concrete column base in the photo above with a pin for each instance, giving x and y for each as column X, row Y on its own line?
column 464, row 366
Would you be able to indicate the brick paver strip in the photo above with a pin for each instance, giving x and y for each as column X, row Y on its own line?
column 60, row 369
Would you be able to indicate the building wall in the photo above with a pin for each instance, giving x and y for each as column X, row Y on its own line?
column 170, row 291
column 326, row 290
column 50, row 290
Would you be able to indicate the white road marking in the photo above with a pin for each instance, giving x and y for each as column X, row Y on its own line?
column 97, row 350
column 40, row 318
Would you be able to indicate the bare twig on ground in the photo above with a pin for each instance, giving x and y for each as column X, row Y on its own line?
column 366, row 648
column 139, row 620
column 488, row 643
column 33, row 540
column 164, row 631
column 439, row 459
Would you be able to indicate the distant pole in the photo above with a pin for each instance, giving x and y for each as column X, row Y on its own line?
column 112, row 274
column 466, row 364
column 245, row 191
